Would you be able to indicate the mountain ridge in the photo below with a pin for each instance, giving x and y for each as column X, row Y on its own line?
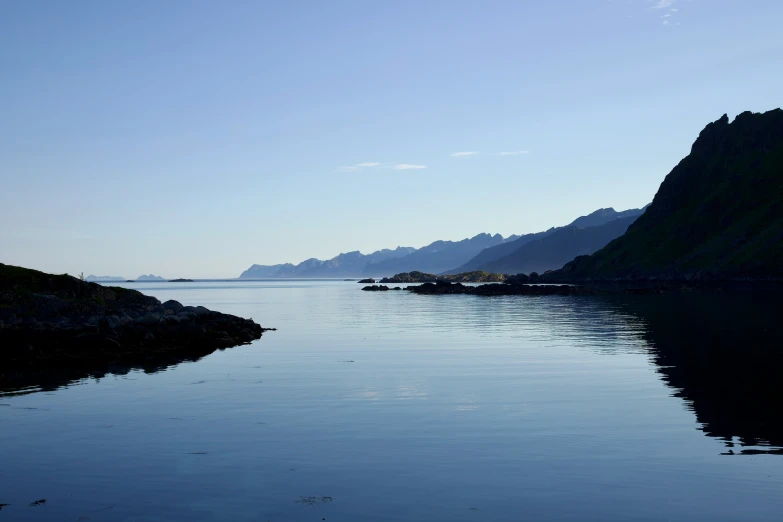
column 718, row 215
column 487, row 259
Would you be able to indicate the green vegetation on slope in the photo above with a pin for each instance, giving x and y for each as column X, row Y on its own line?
column 717, row 216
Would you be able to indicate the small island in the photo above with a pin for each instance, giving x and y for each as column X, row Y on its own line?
column 369, row 281
column 56, row 321
column 180, row 280
column 420, row 277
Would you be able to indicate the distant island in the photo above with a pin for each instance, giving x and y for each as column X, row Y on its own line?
column 56, row 321
column 150, row 277
column 181, row 280
column 421, row 277
column 101, row 279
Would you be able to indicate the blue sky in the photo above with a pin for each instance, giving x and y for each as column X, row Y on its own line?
column 196, row 138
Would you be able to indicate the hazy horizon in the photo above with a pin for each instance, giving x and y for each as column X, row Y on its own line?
column 190, row 139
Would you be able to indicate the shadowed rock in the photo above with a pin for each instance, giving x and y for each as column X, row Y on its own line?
column 51, row 321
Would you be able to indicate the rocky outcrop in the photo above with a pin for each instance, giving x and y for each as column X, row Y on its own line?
column 467, row 277
column 446, row 288
column 369, row 281
column 49, row 320
column 379, row 288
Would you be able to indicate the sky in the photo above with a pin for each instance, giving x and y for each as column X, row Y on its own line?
column 193, row 139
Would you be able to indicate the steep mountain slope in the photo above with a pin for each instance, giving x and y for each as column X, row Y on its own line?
column 486, row 257
column 718, row 215
column 436, row 257
column 559, row 247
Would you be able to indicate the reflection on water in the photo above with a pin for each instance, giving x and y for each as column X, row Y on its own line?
column 22, row 383
column 403, row 407
column 722, row 353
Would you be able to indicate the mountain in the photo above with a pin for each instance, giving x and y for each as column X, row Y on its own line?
column 493, row 253
column 150, row 277
column 718, row 215
column 559, row 247
column 605, row 215
column 485, row 259
column 437, row 257
column 101, row 279
column 349, row 264
column 262, row 271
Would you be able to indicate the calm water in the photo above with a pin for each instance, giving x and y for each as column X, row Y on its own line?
column 397, row 407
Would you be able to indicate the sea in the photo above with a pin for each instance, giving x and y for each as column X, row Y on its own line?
column 391, row 406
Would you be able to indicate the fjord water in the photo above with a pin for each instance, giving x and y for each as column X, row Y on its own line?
column 397, row 407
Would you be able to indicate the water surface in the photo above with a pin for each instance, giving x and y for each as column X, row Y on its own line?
column 397, row 407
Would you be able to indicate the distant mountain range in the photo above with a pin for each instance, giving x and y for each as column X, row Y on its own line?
column 350, row 264
column 718, row 215
column 559, row 247
column 437, row 257
column 540, row 251
column 553, row 248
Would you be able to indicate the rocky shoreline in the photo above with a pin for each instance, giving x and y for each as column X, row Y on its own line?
column 52, row 321
column 421, row 277
column 446, row 288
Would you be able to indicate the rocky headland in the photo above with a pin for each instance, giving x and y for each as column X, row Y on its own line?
column 51, row 321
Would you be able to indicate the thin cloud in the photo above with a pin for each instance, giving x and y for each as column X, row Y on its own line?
column 367, row 164
column 514, row 153
column 408, row 166
column 663, row 4
column 460, row 154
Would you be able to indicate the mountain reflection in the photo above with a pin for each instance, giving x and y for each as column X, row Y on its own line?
column 722, row 352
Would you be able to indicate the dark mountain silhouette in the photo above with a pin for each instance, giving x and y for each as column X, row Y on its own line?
column 718, row 215
column 559, row 247
column 437, row 257
column 349, row 264
column 487, row 257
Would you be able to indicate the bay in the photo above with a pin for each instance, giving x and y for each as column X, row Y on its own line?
column 397, row 407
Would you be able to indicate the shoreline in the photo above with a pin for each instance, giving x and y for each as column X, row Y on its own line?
column 57, row 321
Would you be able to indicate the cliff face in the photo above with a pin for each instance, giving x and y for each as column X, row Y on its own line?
column 718, row 215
